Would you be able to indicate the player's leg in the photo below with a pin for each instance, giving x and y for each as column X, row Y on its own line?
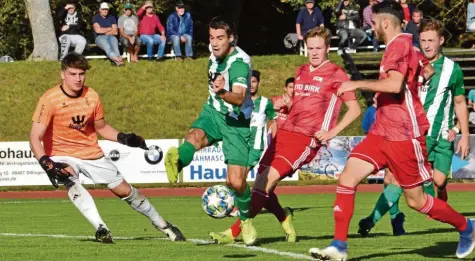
column 203, row 132
column 412, row 175
column 65, row 43
column 387, row 201
column 102, row 171
column 366, row 158
column 443, row 154
column 83, row 200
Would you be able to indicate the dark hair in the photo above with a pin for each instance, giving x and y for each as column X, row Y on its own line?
column 76, row 61
column 417, row 10
column 369, row 98
column 221, row 23
column 289, row 80
column 390, row 7
column 257, row 74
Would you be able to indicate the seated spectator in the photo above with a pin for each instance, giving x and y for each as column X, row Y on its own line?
column 367, row 24
column 348, row 25
column 129, row 32
column 370, row 113
column 471, row 16
column 309, row 17
column 180, row 30
column 105, row 34
column 408, row 9
column 70, row 24
column 414, row 26
column 148, row 26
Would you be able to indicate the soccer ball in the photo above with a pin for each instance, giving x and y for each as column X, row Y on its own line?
column 218, row 201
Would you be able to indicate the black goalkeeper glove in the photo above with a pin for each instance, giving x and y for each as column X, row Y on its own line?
column 131, row 140
column 56, row 171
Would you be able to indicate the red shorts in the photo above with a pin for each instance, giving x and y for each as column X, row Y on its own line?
column 288, row 152
column 407, row 160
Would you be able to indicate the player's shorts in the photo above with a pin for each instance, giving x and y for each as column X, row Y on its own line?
column 407, row 160
column 440, row 154
column 100, row 171
column 288, row 152
column 254, row 157
column 235, row 134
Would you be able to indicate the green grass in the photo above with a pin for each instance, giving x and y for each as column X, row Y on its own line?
column 427, row 239
column 155, row 100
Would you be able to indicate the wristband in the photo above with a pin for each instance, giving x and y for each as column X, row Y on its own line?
column 456, row 130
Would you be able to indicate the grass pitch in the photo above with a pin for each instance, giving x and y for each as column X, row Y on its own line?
column 55, row 230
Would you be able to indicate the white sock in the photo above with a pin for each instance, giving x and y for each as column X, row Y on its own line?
column 84, row 203
column 141, row 204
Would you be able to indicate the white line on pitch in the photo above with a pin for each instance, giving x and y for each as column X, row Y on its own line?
column 33, row 201
column 198, row 241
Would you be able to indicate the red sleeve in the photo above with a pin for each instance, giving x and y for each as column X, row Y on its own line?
column 396, row 57
column 159, row 25
column 140, row 13
column 339, row 78
column 422, row 59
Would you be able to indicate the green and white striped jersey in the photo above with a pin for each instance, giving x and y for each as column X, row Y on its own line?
column 438, row 94
column 263, row 111
column 236, row 69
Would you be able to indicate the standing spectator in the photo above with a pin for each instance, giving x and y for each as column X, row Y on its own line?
column 129, row 32
column 309, row 17
column 180, row 30
column 70, row 23
column 414, row 26
column 105, row 34
column 370, row 113
column 471, row 16
column 367, row 25
column 348, row 26
column 408, row 9
column 148, row 26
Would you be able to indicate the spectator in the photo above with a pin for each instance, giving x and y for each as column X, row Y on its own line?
column 105, row 32
column 70, row 24
column 370, row 113
column 309, row 17
column 408, row 9
column 348, row 26
column 148, row 26
column 367, row 24
column 471, row 103
column 129, row 32
column 180, row 30
column 414, row 26
column 471, row 16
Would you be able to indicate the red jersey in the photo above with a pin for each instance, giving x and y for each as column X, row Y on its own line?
column 282, row 112
column 315, row 105
column 400, row 116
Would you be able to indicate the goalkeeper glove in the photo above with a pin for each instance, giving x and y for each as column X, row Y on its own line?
column 56, row 171
column 131, row 140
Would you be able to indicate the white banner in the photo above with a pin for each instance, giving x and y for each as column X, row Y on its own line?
column 18, row 167
column 208, row 166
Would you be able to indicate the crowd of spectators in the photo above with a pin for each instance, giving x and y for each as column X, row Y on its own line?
column 130, row 30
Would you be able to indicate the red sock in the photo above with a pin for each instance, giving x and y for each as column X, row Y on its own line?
column 441, row 211
column 258, row 199
column 236, row 228
column 272, row 205
column 343, row 211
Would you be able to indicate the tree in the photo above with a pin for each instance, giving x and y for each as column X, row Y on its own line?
column 44, row 37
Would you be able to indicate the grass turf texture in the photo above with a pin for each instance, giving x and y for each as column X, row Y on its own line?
column 155, row 100
column 427, row 239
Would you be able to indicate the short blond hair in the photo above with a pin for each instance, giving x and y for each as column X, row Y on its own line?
column 433, row 25
column 321, row 32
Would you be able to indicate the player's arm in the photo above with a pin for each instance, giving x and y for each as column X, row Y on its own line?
column 36, row 136
column 394, row 83
column 353, row 112
column 271, row 116
column 110, row 133
column 461, row 111
column 238, row 79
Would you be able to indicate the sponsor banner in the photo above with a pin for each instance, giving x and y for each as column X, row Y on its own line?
column 208, row 166
column 331, row 159
column 18, row 167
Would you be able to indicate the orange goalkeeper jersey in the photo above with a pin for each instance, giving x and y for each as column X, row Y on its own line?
column 70, row 123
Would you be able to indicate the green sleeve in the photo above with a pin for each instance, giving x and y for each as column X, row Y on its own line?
column 239, row 73
column 459, row 86
column 270, row 112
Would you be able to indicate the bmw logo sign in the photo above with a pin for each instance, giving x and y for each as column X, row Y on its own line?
column 153, row 155
column 114, row 155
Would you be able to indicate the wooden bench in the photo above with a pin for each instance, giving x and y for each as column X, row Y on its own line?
column 126, row 54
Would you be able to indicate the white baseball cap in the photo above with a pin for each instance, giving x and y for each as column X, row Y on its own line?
column 104, row 5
